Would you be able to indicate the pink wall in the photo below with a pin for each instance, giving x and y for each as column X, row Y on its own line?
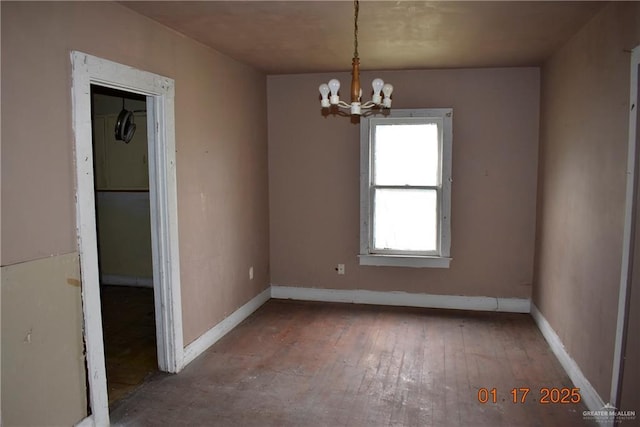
column 221, row 149
column 583, row 147
column 314, row 187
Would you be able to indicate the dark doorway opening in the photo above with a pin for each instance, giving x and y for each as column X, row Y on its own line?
column 121, row 187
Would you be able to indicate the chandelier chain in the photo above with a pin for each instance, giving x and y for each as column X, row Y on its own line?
column 356, row 9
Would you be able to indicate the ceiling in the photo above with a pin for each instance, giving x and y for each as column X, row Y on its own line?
column 283, row 37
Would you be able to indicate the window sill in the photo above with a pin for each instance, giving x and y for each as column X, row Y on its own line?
column 405, row 261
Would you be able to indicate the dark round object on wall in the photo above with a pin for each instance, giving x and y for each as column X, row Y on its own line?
column 125, row 127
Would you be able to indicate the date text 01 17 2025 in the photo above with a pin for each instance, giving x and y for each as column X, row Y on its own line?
column 548, row 395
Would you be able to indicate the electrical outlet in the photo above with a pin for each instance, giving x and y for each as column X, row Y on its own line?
column 251, row 273
column 340, row 269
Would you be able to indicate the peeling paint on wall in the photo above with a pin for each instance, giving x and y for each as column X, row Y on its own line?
column 73, row 282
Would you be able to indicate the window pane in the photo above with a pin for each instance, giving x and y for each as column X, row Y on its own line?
column 405, row 220
column 406, row 154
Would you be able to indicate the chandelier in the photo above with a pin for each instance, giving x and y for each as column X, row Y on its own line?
column 329, row 91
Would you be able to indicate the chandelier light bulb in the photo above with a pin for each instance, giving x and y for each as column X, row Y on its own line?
column 377, row 85
column 387, row 89
column 334, row 86
column 324, row 91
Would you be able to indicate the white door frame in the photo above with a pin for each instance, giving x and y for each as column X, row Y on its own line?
column 630, row 225
column 88, row 70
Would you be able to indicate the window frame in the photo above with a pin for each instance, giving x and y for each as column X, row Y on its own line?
column 440, row 258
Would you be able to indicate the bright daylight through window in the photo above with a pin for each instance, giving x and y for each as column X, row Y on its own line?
column 406, row 188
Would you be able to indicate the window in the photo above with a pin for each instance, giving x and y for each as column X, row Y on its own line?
column 405, row 188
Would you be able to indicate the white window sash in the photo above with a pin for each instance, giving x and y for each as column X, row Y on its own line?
column 376, row 256
column 373, row 249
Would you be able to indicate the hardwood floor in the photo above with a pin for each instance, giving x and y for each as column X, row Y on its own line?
column 317, row 364
column 128, row 323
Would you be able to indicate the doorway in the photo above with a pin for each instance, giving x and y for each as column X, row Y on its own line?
column 625, row 389
column 121, row 186
column 158, row 92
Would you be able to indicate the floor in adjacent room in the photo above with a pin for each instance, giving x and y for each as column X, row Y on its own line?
column 321, row 364
column 129, row 329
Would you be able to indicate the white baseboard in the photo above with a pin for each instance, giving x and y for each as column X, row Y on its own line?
column 590, row 396
column 206, row 340
column 119, row 280
column 512, row 305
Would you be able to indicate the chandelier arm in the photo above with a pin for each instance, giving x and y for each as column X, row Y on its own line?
column 369, row 104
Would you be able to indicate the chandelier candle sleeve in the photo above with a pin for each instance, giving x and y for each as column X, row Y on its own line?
column 356, row 92
column 356, row 106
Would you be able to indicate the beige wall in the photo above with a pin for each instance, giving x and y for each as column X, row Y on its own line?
column 124, row 236
column 314, row 183
column 583, row 146
column 42, row 348
column 221, row 162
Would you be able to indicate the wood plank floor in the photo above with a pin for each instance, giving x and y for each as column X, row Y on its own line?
column 317, row 364
column 128, row 323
